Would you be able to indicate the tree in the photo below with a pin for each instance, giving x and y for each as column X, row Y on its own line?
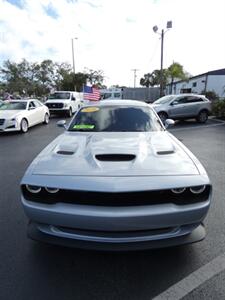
column 175, row 71
column 153, row 79
column 95, row 77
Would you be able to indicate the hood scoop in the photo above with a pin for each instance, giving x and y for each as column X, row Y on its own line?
column 166, row 152
column 115, row 157
column 65, row 152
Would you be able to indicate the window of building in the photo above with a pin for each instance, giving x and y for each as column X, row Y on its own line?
column 194, row 84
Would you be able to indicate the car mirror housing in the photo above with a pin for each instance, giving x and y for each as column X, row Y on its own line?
column 169, row 122
column 61, row 123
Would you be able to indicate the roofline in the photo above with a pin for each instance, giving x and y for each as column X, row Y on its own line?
column 214, row 72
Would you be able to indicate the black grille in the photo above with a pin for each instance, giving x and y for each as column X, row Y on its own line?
column 2, row 121
column 54, row 105
column 117, row 199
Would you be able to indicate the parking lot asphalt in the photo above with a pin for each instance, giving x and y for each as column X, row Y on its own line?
column 29, row 270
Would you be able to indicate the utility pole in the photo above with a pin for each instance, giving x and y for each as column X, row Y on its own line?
column 155, row 29
column 135, row 76
column 73, row 60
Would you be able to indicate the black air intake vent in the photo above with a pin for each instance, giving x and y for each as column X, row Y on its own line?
column 63, row 152
column 115, row 157
column 166, row 152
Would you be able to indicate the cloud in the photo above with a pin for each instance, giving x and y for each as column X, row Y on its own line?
column 51, row 11
column 115, row 35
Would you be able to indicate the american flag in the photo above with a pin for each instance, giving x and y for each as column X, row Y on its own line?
column 91, row 93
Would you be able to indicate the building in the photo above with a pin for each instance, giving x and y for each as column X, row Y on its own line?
column 210, row 81
column 142, row 94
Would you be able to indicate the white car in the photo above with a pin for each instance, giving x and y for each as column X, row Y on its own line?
column 116, row 180
column 64, row 102
column 19, row 115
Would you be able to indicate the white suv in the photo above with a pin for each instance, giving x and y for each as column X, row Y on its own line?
column 66, row 102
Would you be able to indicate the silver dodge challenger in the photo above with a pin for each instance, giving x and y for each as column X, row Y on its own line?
column 116, row 179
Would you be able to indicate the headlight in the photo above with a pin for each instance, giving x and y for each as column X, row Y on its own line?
column 52, row 190
column 66, row 104
column 178, row 190
column 14, row 119
column 33, row 188
column 197, row 189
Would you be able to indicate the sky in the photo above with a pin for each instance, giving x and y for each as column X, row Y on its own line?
column 115, row 36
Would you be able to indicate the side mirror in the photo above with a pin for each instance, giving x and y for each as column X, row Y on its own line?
column 73, row 98
column 32, row 107
column 61, row 123
column 174, row 103
column 169, row 122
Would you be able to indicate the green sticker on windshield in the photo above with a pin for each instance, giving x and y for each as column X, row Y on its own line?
column 83, row 126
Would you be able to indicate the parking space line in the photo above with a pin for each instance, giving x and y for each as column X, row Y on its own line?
column 200, row 126
column 194, row 280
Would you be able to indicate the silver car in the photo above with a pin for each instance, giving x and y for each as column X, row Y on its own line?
column 183, row 106
column 116, row 180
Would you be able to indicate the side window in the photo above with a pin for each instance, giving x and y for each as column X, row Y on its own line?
column 117, row 95
column 194, row 99
column 37, row 104
column 32, row 105
column 179, row 101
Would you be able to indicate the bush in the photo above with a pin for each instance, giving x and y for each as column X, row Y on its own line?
column 218, row 108
column 211, row 95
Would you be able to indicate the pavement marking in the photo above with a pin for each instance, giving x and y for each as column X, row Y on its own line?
column 194, row 280
column 197, row 127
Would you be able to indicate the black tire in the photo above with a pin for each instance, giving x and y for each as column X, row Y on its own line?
column 202, row 116
column 24, row 126
column 46, row 119
column 163, row 116
column 69, row 113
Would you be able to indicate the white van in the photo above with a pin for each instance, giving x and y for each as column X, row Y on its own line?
column 66, row 102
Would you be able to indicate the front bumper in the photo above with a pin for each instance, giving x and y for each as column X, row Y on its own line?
column 100, row 241
column 116, row 228
column 8, row 126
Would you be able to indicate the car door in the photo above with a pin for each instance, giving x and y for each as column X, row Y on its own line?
column 177, row 106
column 40, row 112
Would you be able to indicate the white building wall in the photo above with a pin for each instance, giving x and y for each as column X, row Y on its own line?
column 216, row 83
column 195, row 85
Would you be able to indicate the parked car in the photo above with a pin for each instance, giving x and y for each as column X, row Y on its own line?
column 183, row 106
column 65, row 102
column 19, row 115
column 116, row 179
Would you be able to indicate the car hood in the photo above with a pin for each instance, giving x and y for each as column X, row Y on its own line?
column 58, row 101
column 9, row 114
column 114, row 154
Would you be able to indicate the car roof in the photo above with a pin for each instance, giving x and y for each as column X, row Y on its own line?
column 187, row 94
column 117, row 103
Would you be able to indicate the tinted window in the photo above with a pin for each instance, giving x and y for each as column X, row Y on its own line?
column 115, row 119
column 107, row 96
column 164, row 99
column 61, row 96
column 14, row 106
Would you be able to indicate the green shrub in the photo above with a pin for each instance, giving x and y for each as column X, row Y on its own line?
column 211, row 95
column 218, row 108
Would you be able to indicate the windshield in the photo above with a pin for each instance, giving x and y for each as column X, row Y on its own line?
column 164, row 99
column 13, row 106
column 115, row 119
column 61, row 96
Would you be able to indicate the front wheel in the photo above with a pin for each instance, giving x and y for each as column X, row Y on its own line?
column 24, row 126
column 202, row 116
column 163, row 116
column 46, row 119
column 69, row 113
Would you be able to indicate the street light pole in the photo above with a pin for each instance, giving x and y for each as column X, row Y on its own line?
column 155, row 29
column 135, row 76
column 73, row 60
column 161, row 65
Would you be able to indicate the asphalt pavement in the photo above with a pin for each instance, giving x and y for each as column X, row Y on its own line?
column 31, row 270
